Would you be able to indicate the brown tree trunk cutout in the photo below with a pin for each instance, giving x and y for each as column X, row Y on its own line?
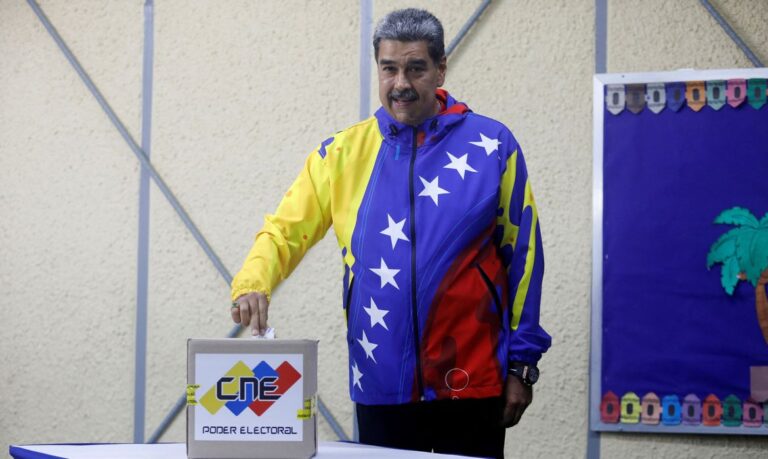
column 761, row 304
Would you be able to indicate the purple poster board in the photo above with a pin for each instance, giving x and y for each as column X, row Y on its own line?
column 672, row 350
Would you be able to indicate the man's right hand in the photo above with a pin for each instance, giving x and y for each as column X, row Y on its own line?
column 252, row 311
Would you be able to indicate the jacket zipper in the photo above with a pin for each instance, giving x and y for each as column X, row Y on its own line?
column 492, row 291
column 414, row 309
column 417, row 347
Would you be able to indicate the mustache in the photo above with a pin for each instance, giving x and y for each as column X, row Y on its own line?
column 406, row 95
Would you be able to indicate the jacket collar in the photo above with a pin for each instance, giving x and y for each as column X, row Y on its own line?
column 432, row 129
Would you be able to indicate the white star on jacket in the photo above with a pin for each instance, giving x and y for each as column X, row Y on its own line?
column 386, row 274
column 489, row 145
column 368, row 347
column 460, row 165
column 377, row 315
column 432, row 189
column 394, row 231
column 356, row 375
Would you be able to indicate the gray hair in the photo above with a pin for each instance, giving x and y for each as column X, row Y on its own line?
column 411, row 24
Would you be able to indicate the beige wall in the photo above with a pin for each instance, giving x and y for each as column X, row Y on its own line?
column 243, row 91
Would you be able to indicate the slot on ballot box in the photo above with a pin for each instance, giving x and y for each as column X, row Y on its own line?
column 251, row 398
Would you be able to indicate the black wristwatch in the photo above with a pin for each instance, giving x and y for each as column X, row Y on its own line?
column 527, row 373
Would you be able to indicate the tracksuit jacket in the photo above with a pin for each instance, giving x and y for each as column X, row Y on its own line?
column 441, row 246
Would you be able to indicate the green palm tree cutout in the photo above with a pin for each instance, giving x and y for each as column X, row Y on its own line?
column 743, row 251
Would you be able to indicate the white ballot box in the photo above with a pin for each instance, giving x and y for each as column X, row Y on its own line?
column 251, row 398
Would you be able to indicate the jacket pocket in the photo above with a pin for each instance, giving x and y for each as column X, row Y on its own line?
column 348, row 301
column 494, row 293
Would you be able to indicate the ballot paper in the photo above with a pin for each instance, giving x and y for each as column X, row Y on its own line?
column 269, row 333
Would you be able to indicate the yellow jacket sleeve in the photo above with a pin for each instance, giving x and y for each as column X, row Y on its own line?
column 301, row 220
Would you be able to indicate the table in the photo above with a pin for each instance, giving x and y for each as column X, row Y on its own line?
column 325, row 450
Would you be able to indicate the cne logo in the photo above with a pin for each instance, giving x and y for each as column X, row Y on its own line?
column 242, row 387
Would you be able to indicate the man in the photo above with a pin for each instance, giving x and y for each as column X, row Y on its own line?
column 442, row 255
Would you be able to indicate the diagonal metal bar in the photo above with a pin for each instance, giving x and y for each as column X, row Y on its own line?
column 140, row 154
column 132, row 143
column 331, row 420
column 168, row 419
column 155, row 176
column 731, row 33
column 181, row 402
column 465, row 28
column 142, row 277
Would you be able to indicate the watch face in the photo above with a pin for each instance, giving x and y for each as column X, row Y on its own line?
column 533, row 375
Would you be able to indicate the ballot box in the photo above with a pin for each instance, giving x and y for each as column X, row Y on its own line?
column 251, row 398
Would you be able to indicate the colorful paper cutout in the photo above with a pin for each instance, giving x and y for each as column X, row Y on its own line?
column 716, row 94
column 635, row 98
column 732, row 411
column 712, row 411
column 758, row 383
column 756, row 92
column 696, row 95
column 655, row 97
column 675, row 96
column 743, row 251
column 609, row 408
column 670, row 410
column 753, row 413
column 650, row 409
column 765, row 413
column 737, row 92
column 630, row 408
column 615, row 98
column 691, row 410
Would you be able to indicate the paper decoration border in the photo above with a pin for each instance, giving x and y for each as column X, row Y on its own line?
column 644, row 90
column 695, row 95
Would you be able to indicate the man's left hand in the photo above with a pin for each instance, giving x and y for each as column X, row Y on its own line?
column 517, row 397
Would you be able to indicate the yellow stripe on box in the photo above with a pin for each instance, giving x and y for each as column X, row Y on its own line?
column 191, row 389
column 209, row 400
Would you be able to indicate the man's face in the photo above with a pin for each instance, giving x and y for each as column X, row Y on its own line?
column 408, row 79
